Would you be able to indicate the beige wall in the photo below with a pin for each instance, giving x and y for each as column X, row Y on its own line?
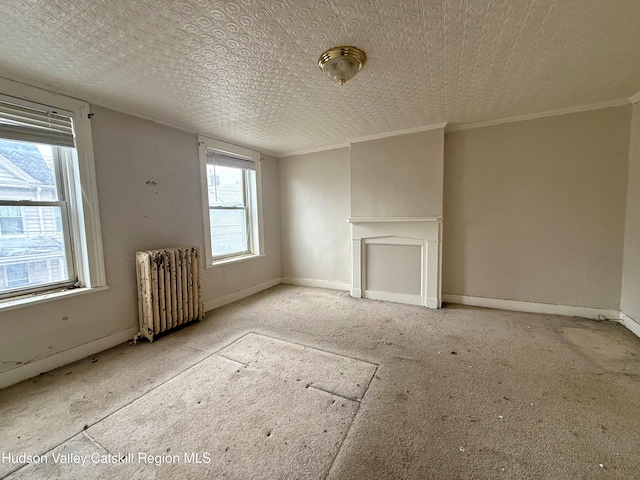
column 314, row 204
column 534, row 210
column 129, row 152
column 630, row 299
column 394, row 269
column 398, row 176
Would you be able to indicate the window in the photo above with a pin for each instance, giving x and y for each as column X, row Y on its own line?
column 17, row 275
column 49, row 222
column 231, row 198
column 30, row 201
column 228, row 212
column 10, row 219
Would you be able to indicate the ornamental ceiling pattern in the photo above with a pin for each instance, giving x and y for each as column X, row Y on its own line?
column 246, row 70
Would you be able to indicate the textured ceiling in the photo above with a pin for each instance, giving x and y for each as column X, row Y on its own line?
column 246, row 70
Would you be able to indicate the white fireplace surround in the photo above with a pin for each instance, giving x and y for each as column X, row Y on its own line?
column 425, row 232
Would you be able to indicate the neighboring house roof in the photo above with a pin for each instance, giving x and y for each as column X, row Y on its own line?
column 26, row 161
column 230, row 194
column 27, row 158
column 26, row 246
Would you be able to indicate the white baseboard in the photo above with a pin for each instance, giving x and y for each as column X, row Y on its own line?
column 23, row 372
column 630, row 323
column 433, row 303
column 532, row 307
column 310, row 282
column 239, row 295
column 59, row 359
column 393, row 297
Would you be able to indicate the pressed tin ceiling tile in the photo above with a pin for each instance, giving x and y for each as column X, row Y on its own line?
column 246, row 70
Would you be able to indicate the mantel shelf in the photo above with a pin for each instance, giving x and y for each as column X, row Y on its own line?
column 393, row 219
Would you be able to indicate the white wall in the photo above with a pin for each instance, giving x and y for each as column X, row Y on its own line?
column 630, row 298
column 315, row 205
column 534, row 210
column 149, row 195
column 398, row 176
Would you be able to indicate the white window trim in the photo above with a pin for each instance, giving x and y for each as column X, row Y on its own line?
column 204, row 144
column 83, row 201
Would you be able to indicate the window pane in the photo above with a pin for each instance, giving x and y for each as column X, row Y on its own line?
column 228, row 231
column 36, row 255
column 10, row 211
column 11, row 220
column 225, row 186
column 17, row 275
column 27, row 171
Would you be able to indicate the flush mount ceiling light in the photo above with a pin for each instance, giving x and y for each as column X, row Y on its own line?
column 342, row 63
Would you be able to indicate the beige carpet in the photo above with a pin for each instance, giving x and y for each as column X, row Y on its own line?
column 286, row 407
column 456, row 393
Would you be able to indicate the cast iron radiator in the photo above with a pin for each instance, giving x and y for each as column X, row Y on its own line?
column 169, row 292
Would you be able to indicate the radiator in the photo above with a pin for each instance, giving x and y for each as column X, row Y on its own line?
column 169, row 293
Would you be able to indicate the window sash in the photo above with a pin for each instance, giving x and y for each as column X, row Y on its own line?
column 32, row 203
column 247, row 227
column 62, row 183
column 30, row 122
column 68, row 250
column 244, row 207
column 244, row 187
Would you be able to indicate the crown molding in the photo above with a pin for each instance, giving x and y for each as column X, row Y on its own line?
column 395, row 133
column 533, row 116
column 366, row 138
column 313, row 150
column 99, row 102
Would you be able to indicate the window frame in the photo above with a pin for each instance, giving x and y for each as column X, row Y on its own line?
column 81, row 197
column 253, row 200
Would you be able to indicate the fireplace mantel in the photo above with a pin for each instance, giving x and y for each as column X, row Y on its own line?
column 425, row 232
column 393, row 219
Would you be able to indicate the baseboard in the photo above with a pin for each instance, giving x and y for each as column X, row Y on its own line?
column 433, row 303
column 239, row 295
column 310, row 282
column 393, row 297
column 532, row 307
column 59, row 359
column 630, row 323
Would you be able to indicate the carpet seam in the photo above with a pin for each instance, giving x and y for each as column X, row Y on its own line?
column 335, row 394
column 350, row 425
column 231, row 359
column 93, row 440
column 316, row 348
column 87, row 426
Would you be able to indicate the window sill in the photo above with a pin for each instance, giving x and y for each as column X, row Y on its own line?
column 35, row 298
column 227, row 261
